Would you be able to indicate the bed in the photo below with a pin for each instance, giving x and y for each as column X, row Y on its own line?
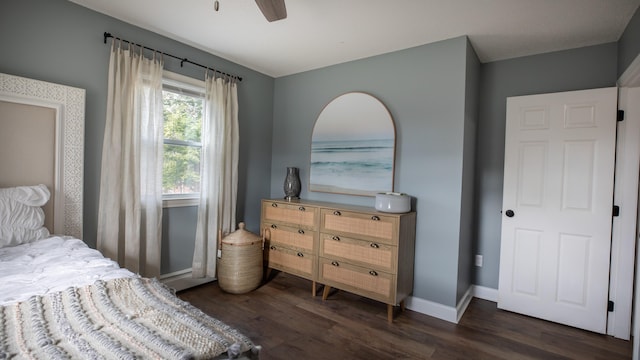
column 60, row 299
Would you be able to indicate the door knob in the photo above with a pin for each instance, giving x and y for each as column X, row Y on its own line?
column 509, row 213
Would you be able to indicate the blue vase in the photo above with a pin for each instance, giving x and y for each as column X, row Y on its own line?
column 292, row 184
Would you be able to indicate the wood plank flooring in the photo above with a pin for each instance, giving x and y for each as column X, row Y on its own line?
column 289, row 323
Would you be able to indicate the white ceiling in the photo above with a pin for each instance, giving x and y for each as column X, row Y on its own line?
column 319, row 33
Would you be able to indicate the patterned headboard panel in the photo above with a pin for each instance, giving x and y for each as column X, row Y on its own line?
column 47, row 145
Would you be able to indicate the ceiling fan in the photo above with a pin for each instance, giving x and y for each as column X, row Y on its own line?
column 273, row 10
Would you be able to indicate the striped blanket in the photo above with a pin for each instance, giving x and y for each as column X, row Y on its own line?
column 126, row 318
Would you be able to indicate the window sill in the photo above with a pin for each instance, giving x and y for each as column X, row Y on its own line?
column 181, row 202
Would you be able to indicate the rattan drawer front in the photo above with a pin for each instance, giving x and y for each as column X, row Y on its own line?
column 291, row 237
column 295, row 214
column 366, row 253
column 291, row 261
column 384, row 228
column 371, row 283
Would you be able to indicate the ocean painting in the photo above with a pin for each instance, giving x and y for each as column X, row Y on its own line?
column 353, row 147
column 361, row 167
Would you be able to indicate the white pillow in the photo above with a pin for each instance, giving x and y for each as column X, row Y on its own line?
column 36, row 195
column 12, row 236
column 15, row 214
column 21, row 215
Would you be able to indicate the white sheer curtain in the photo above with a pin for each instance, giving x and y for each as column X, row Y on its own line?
column 218, row 172
column 130, row 208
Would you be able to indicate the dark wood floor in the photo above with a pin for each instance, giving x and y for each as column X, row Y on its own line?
column 289, row 323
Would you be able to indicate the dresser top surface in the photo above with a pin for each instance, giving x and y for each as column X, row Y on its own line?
column 331, row 205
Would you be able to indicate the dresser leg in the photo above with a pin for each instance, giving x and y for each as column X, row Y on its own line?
column 390, row 313
column 325, row 292
column 402, row 306
column 313, row 289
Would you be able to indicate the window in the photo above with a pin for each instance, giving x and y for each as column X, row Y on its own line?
column 183, row 100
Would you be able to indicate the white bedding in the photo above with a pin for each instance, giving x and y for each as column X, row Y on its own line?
column 89, row 308
column 51, row 265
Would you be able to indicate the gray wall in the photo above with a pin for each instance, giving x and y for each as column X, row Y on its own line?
column 178, row 238
column 424, row 89
column 577, row 69
column 629, row 43
column 467, row 215
column 61, row 42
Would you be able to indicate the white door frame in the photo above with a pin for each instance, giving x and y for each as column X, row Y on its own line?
column 629, row 82
column 623, row 231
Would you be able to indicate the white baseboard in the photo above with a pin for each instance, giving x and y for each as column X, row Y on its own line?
column 437, row 310
column 485, row 293
column 180, row 280
column 464, row 303
column 449, row 313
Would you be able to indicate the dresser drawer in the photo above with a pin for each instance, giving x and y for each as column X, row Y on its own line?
column 290, row 261
column 290, row 213
column 371, row 254
column 374, row 284
column 373, row 226
column 289, row 236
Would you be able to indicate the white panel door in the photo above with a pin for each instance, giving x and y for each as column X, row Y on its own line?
column 557, row 206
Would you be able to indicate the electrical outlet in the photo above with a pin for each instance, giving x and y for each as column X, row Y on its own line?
column 479, row 260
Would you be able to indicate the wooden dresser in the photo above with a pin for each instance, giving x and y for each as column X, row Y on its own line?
column 291, row 233
column 351, row 248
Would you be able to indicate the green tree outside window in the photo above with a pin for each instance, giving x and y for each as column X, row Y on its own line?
column 182, row 146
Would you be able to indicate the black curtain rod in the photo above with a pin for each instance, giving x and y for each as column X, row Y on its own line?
column 182, row 60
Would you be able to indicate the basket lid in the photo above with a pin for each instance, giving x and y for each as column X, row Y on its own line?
column 241, row 237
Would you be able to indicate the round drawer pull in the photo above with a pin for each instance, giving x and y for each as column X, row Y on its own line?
column 373, row 273
column 375, row 218
column 301, row 232
column 274, row 204
column 335, row 237
column 272, row 247
column 335, row 263
column 300, row 254
column 274, row 226
column 301, row 208
column 374, row 245
column 337, row 213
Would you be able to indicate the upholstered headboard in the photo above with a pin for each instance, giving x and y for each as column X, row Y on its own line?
column 42, row 142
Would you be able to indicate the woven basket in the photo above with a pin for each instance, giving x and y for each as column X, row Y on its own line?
column 240, row 267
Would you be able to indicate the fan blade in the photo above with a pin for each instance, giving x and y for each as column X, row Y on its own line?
column 273, row 10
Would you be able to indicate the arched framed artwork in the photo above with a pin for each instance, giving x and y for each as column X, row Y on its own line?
column 353, row 147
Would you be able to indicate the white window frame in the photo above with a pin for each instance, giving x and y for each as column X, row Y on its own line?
column 190, row 85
